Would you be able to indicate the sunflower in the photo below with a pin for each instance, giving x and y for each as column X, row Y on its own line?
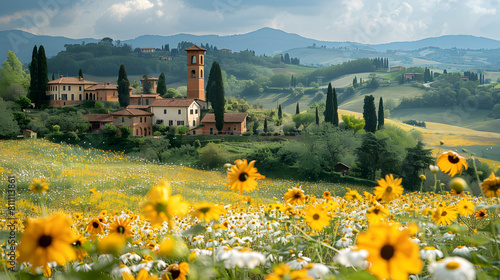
column 77, row 215
column 316, row 217
column 47, row 240
column 481, row 213
column 77, row 244
column 465, row 207
column 95, row 227
column 177, row 271
column 111, row 244
column 208, row 211
column 451, row 162
column 376, row 214
column 327, row 195
column 295, row 196
column 444, row 215
column 352, row 195
column 142, row 275
column 242, row 176
column 491, row 186
column 388, row 188
column 121, row 226
column 390, row 251
column 39, row 186
column 172, row 247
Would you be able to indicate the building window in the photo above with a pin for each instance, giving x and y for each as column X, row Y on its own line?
column 170, row 123
column 201, row 73
column 211, row 130
column 193, row 59
column 180, row 122
column 179, row 112
column 193, row 74
column 194, row 122
column 165, row 111
column 137, row 132
column 201, row 59
column 196, row 111
column 80, row 97
column 147, row 101
column 64, row 97
column 191, row 111
column 80, row 89
column 139, row 102
column 72, row 97
column 123, row 119
column 64, row 87
column 69, row 87
column 140, row 119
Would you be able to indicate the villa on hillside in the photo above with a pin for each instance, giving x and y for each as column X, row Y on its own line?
column 144, row 99
column 176, row 112
column 140, row 121
column 234, row 124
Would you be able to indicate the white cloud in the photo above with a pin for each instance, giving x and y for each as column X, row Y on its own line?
column 123, row 9
column 478, row 7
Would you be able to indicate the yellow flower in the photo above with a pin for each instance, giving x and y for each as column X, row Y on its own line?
column 279, row 272
column 171, row 247
column 121, row 226
column 390, row 251
column 444, row 215
column 327, row 195
column 161, row 207
column 352, row 195
column 111, row 244
column 93, row 191
column 451, row 162
column 491, row 186
column 295, row 196
column 77, row 244
column 177, row 271
column 481, row 213
column 422, row 176
column 242, row 176
column 465, row 207
column 208, row 211
column 388, row 188
column 47, row 240
column 316, row 217
column 142, row 275
column 95, row 227
column 376, row 214
column 39, row 186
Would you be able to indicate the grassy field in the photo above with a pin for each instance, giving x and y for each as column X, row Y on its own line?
column 121, row 182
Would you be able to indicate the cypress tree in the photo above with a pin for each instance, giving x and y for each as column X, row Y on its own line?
column 162, row 85
column 335, row 119
column 217, row 95
column 317, row 116
column 53, row 78
column 370, row 114
column 123, row 87
column 297, row 111
column 329, row 104
column 146, row 86
column 43, row 76
column 280, row 113
column 80, row 73
column 211, row 78
column 380, row 114
column 33, row 90
column 265, row 125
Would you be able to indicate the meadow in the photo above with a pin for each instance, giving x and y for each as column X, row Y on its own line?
column 103, row 215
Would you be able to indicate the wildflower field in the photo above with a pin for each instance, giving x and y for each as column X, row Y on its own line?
column 91, row 214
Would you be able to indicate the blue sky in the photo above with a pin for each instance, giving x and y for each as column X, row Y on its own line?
column 365, row 21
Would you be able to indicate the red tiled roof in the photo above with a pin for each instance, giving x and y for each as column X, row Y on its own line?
column 228, row 118
column 150, row 79
column 131, row 112
column 195, row 48
column 144, row 95
column 172, row 102
column 103, row 86
column 99, row 117
column 71, row 81
column 137, row 106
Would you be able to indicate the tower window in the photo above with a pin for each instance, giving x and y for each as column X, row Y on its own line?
column 193, row 74
column 193, row 59
column 201, row 73
column 201, row 59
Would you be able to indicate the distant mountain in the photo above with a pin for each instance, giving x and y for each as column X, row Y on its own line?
column 267, row 41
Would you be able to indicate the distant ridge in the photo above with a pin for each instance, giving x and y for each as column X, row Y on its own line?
column 266, row 40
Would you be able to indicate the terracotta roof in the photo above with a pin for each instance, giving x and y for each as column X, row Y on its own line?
column 131, row 112
column 99, row 117
column 195, row 48
column 103, row 86
column 172, row 102
column 137, row 106
column 150, row 79
column 71, row 81
column 228, row 118
column 144, row 95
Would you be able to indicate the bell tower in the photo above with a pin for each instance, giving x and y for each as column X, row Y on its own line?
column 196, row 72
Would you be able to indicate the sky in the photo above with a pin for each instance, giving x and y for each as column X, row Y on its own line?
column 363, row 21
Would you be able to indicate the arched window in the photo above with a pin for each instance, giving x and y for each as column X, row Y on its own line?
column 193, row 59
column 193, row 74
column 201, row 59
column 201, row 73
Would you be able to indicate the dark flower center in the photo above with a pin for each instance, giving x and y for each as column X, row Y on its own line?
column 77, row 243
column 388, row 189
column 453, row 159
column 120, row 229
column 175, row 274
column 376, row 211
column 95, row 224
column 45, row 241
column 243, row 177
column 444, row 213
column 297, row 196
column 316, row 216
column 387, row 252
column 482, row 214
column 204, row 210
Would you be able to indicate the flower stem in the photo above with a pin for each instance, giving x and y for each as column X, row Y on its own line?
column 477, row 175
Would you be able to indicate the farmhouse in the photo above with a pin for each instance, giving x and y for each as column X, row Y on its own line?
column 68, row 91
column 396, row 68
column 152, row 81
column 97, row 121
column 138, row 120
column 103, row 92
column 234, row 124
column 143, row 99
column 176, row 112
column 413, row 76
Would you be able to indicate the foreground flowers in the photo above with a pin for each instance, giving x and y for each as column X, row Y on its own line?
column 242, row 176
column 39, row 186
column 491, row 186
column 47, row 240
column 451, row 162
column 389, row 188
column 390, row 252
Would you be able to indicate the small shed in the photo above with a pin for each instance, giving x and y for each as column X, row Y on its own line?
column 29, row 134
column 342, row 168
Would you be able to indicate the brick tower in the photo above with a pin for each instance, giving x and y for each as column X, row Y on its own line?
column 196, row 72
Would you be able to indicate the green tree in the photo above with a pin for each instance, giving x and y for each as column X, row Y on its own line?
column 43, row 77
column 217, row 93
column 123, row 87
column 304, row 119
column 211, row 79
column 213, row 155
column 162, row 85
column 369, row 156
column 355, row 82
column 354, row 123
column 80, row 73
column 33, row 89
column 416, row 161
column 53, row 78
column 335, row 117
column 255, row 127
column 23, row 102
column 329, row 107
column 126, row 131
column 381, row 114
column 109, row 130
column 280, row 113
column 147, row 88
column 265, row 125
column 297, row 110
column 8, row 126
column 317, row 116
column 172, row 93
column 370, row 114
column 13, row 79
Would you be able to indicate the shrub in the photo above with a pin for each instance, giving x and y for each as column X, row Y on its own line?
column 156, row 133
column 109, row 129
column 213, row 155
column 183, row 129
column 125, row 131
